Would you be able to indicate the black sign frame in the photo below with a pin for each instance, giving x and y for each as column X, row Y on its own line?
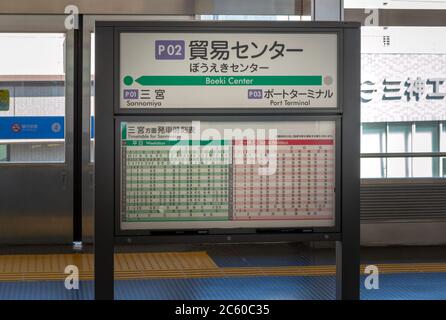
column 347, row 115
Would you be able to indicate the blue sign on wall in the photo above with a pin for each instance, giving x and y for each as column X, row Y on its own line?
column 32, row 127
column 92, row 128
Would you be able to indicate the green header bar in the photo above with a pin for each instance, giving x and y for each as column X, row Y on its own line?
column 175, row 142
column 230, row 80
column 124, row 131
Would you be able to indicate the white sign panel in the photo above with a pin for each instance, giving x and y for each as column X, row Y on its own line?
column 403, row 87
column 192, row 175
column 228, row 70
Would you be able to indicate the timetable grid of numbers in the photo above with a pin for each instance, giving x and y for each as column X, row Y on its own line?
column 158, row 188
column 302, row 186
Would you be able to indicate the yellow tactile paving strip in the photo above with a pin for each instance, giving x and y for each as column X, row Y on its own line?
column 130, row 266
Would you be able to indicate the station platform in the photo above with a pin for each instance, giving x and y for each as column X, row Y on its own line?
column 220, row 272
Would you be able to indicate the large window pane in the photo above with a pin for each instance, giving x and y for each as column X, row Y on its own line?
column 373, row 138
column 443, row 137
column 3, row 152
column 398, row 167
column 426, row 140
column 372, row 168
column 426, row 137
column 426, row 167
column 398, row 140
column 443, row 166
column 443, row 149
column 32, row 78
column 399, row 137
column 392, row 168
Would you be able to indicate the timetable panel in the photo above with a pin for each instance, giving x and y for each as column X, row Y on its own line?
column 301, row 188
column 201, row 175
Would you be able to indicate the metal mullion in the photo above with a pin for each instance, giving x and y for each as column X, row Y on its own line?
column 77, row 132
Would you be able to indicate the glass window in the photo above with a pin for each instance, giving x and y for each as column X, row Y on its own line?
column 372, row 167
column 443, row 149
column 403, row 137
column 92, row 70
column 3, row 153
column 426, row 137
column 443, row 137
column 426, row 140
column 443, row 167
column 425, row 167
column 398, row 167
column 373, row 140
column 399, row 137
column 32, row 78
column 399, row 140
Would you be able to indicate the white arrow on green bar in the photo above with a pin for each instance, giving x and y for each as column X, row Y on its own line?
column 225, row 80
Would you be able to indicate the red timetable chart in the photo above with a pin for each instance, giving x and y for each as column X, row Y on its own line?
column 302, row 188
column 196, row 175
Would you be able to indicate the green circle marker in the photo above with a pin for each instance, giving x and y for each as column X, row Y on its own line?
column 128, row 80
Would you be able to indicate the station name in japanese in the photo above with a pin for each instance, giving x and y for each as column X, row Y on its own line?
column 213, row 56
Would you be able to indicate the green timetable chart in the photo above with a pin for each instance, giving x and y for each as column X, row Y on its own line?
column 164, row 178
column 192, row 175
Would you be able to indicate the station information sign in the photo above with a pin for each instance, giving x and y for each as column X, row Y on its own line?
column 192, row 175
column 227, row 132
column 228, row 70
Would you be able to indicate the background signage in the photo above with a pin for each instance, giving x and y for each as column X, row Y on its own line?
column 4, row 99
column 403, row 87
column 28, row 127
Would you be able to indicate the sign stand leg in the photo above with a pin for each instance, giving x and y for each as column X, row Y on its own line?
column 104, row 168
column 348, row 249
column 347, row 271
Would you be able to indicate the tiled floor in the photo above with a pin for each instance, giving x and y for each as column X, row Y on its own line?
column 249, row 271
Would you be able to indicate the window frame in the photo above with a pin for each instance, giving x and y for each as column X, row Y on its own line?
column 437, row 155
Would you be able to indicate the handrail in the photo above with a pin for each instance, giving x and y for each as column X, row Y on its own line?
column 404, row 155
